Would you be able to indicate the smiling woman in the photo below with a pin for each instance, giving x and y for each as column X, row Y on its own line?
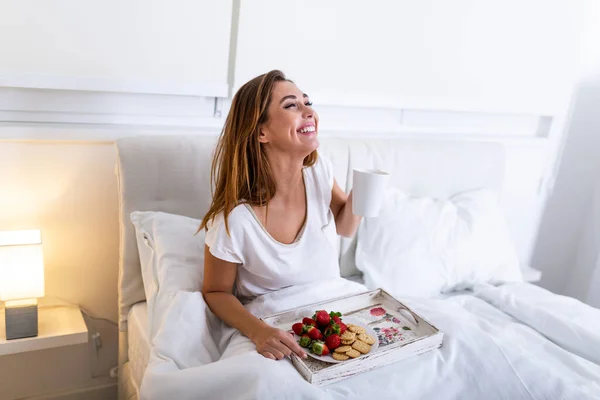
column 255, row 127
column 275, row 211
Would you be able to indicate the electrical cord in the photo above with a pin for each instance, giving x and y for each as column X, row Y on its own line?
column 65, row 303
column 95, row 337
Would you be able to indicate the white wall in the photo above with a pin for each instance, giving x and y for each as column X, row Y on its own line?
column 512, row 56
column 69, row 191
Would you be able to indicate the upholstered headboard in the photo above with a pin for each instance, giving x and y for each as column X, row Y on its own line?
column 171, row 174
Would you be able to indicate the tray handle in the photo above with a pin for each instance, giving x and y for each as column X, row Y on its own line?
column 404, row 311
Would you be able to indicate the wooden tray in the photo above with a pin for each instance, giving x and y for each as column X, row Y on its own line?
column 401, row 332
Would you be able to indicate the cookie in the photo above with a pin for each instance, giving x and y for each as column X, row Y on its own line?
column 353, row 353
column 348, row 336
column 356, row 329
column 347, row 342
column 340, row 356
column 363, row 337
column 343, row 349
column 361, row 346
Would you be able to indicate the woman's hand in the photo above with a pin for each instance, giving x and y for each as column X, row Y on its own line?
column 275, row 344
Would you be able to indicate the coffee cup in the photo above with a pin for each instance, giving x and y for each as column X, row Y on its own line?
column 368, row 191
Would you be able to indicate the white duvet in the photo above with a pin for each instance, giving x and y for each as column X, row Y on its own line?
column 509, row 342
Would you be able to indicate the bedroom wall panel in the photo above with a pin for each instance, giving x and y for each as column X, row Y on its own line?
column 140, row 46
column 509, row 56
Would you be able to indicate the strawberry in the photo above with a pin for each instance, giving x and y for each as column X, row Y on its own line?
column 333, row 341
column 331, row 329
column 320, row 348
column 322, row 318
column 298, row 328
column 343, row 327
column 335, row 314
column 305, row 341
column 309, row 321
column 315, row 334
column 335, row 319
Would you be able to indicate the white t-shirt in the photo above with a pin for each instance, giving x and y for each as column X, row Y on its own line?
column 266, row 265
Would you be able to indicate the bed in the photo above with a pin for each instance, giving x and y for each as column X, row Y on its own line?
column 171, row 174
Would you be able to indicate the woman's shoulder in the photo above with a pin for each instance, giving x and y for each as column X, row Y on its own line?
column 237, row 219
column 227, row 244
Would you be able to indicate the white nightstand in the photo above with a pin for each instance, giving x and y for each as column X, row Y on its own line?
column 57, row 326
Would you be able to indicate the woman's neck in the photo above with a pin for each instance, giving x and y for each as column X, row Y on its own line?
column 287, row 173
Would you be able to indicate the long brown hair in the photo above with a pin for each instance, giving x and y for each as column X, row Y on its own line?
column 240, row 171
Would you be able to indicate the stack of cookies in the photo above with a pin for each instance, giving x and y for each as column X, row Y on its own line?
column 355, row 342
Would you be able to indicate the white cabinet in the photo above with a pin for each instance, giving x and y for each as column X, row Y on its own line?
column 57, row 326
column 176, row 47
column 474, row 55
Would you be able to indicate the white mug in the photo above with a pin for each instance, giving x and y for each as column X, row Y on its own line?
column 368, row 191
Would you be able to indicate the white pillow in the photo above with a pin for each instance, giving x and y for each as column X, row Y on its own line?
column 422, row 246
column 172, row 259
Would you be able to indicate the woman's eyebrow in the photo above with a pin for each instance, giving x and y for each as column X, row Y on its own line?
column 291, row 96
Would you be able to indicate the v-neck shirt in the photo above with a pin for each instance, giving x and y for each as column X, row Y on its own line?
column 265, row 264
column 301, row 231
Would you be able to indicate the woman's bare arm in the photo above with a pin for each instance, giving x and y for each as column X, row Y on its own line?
column 341, row 207
column 217, row 289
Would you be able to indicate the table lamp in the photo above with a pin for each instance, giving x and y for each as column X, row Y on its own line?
column 21, row 280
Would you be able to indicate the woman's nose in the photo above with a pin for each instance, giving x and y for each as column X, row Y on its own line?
column 307, row 112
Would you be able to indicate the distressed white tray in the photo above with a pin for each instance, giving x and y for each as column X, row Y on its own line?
column 402, row 334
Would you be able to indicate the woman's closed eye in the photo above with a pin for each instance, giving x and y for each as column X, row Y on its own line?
column 308, row 104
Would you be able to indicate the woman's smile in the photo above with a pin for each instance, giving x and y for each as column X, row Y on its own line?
column 307, row 129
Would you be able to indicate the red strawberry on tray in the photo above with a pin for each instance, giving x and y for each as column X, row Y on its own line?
column 331, row 329
column 322, row 318
column 305, row 341
column 343, row 327
column 320, row 348
column 314, row 333
column 298, row 328
column 333, row 341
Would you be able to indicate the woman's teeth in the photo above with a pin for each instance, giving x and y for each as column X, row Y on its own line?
column 307, row 129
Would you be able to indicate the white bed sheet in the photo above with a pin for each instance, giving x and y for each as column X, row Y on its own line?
column 498, row 344
column 139, row 342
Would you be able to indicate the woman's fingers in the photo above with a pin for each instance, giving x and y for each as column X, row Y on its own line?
column 275, row 352
column 279, row 344
column 291, row 344
column 283, row 348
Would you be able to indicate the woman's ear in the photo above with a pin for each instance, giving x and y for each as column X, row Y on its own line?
column 262, row 136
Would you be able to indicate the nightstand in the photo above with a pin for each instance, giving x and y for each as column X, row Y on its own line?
column 57, row 326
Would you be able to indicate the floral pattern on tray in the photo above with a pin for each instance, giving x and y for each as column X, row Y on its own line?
column 388, row 327
column 392, row 334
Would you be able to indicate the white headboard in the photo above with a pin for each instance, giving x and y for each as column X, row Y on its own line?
column 171, row 174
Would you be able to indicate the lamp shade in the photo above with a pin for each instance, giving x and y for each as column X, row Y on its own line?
column 21, row 265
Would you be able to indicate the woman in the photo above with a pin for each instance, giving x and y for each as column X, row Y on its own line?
column 276, row 208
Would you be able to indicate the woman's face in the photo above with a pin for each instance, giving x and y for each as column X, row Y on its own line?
column 292, row 124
